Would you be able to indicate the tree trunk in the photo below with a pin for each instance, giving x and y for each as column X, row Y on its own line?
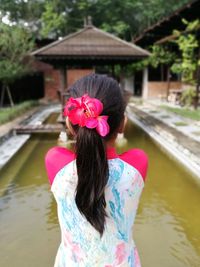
column 5, row 88
column 162, row 72
column 168, row 81
column 9, row 96
column 2, row 95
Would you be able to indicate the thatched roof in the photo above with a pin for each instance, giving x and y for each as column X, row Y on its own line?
column 90, row 43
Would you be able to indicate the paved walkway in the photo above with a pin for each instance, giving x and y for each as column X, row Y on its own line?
column 171, row 129
column 10, row 143
column 189, row 127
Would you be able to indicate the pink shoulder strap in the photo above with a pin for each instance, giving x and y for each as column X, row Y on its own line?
column 55, row 159
column 138, row 159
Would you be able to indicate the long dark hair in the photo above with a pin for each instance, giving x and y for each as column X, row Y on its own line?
column 91, row 161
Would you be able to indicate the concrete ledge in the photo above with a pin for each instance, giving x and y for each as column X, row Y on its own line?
column 10, row 147
column 169, row 145
column 10, row 143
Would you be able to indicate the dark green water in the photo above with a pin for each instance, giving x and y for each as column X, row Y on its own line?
column 167, row 228
column 52, row 119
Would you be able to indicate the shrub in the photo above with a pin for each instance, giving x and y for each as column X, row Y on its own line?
column 187, row 97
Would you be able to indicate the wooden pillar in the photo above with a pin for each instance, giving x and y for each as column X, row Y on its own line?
column 121, row 78
column 134, row 84
column 145, row 83
column 168, row 82
column 63, row 85
column 113, row 71
column 63, row 79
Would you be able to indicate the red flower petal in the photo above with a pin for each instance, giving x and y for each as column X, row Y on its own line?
column 77, row 116
column 92, row 105
column 71, row 104
column 91, row 123
column 103, row 127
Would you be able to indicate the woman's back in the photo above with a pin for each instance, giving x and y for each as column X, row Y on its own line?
column 81, row 244
column 97, row 191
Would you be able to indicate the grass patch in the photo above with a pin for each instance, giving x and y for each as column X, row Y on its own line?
column 165, row 116
column 8, row 114
column 136, row 101
column 180, row 123
column 184, row 112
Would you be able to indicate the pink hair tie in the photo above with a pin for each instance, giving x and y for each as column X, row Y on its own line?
column 85, row 112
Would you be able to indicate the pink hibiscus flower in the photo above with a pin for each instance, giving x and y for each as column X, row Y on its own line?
column 85, row 111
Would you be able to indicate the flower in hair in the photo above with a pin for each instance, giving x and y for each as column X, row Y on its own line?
column 85, row 111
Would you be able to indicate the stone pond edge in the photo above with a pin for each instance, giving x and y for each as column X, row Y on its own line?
column 170, row 149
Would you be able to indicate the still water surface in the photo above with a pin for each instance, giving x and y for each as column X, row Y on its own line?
column 167, row 228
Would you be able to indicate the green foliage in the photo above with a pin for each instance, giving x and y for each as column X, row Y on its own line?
column 188, row 96
column 15, row 44
column 124, row 18
column 52, row 21
column 159, row 55
column 187, row 43
column 120, row 28
column 137, row 66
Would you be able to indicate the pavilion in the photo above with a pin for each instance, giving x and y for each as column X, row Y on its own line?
column 81, row 53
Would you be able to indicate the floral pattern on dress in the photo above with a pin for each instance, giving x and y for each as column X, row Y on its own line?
column 81, row 245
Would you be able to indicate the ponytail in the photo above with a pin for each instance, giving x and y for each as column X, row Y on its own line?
column 91, row 158
column 92, row 169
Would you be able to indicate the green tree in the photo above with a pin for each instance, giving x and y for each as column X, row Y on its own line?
column 124, row 18
column 159, row 55
column 188, row 63
column 52, row 22
column 15, row 45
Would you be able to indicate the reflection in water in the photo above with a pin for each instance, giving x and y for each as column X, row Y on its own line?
column 52, row 119
column 52, row 219
column 167, row 225
column 30, row 233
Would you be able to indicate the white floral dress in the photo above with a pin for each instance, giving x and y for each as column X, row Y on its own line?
column 81, row 245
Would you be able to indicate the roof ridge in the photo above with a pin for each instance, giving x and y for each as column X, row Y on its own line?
column 58, row 41
column 124, row 42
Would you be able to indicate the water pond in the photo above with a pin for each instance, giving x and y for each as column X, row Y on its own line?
column 167, row 228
